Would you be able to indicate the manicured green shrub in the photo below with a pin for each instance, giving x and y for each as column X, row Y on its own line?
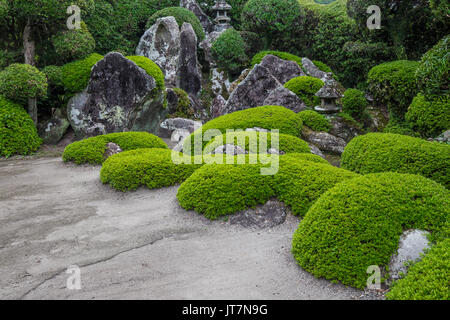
column 286, row 143
column 282, row 55
column 75, row 75
column 74, row 44
column 426, row 279
column 301, row 181
column 358, row 223
column 322, row 66
column 183, row 109
column 152, row 168
column 429, row 116
column 229, row 51
column 305, row 88
column 54, row 75
column 18, row 82
column 252, row 43
column 181, row 15
column 91, row 150
column 354, row 103
column 304, row 157
column 220, row 189
column 18, row 134
column 400, row 127
column 314, row 120
column 151, row 68
column 433, row 72
column 380, row 152
column 394, row 84
column 267, row 117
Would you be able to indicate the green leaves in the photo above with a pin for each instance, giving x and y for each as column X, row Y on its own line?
column 229, row 50
column 305, row 88
column 354, row 103
column 314, row 120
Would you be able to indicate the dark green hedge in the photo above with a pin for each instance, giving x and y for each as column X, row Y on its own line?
column 75, row 75
column 354, row 103
column 91, row 150
column 18, row 134
column 229, row 51
column 267, row 117
column 358, row 223
column 305, row 88
column 428, row 279
column 380, row 152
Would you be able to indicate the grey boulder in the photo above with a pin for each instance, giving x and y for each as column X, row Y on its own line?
column 269, row 215
column 193, row 6
column 325, row 141
column 52, row 130
column 188, row 73
column 285, row 98
column 282, row 70
column 218, row 106
column 111, row 149
column 312, row 70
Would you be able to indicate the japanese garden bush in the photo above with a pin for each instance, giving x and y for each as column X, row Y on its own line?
column 74, row 44
column 152, row 168
column 314, row 120
column 426, row 279
column 433, row 72
column 229, row 51
column 354, row 103
column 151, row 68
column 183, row 109
column 358, row 223
column 305, row 157
column 91, row 150
column 394, row 84
column 267, row 117
column 380, row 152
column 181, row 15
column 76, row 74
column 18, row 82
column 282, row 55
column 286, row 143
column 18, row 134
column 305, row 88
column 430, row 116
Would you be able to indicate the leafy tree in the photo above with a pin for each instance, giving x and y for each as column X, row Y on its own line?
column 229, row 50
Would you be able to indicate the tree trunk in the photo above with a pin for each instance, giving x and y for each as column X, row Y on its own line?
column 29, row 54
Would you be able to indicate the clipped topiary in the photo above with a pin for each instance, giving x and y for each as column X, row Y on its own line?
column 358, row 223
column 305, row 88
column 429, row 116
column 426, row 279
column 152, row 168
column 314, row 120
column 91, row 150
column 74, row 44
column 354, row 103
column 181, row 15
column 267, row 117
column 75, row 75
column 380, row 152
column 18, row 134
column 151, row 68
column 229, row 51
column 286, row 143
column 433, row 71
column 282, row 55
column 394, row 84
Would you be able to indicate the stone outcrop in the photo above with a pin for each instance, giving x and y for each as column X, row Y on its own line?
column 161, row 43
column 193, row 6
column 188, row 73
column 206, row 45
column 218, row 106
column 285, row 98
column 120, row 97
column 324, row 141
column 111, row 149
column 52, row 130
column 282, row 70
column 312, row 70
column 344, row 129
column 269, row 215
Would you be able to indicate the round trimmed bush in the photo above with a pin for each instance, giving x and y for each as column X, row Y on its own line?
column 429, row 116
column 152, row 168
column 433, row 71
column 181, row 15
column 304, row 157
column 18, row 134
column 19, row 82
column 74, row 44
column 314, row 120
column 229, row 50
column 358, row 223
column 426, row 279
column 91, row 150
column 267, row 117
column 76, row 74
column 394, row 84
column 380, row 152
column 305, row 88
column 354, row 103
column 322, row 66
column 151, row 68
column 282, row 55
column 286, row 143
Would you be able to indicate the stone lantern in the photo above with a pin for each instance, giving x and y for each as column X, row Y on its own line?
column 328, row 94
column 221, row 7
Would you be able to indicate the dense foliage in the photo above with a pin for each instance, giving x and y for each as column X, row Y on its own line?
column 354, row 103
column 305, row 88
column 229, row 51
column 18, row 133
column 74, row 44
column 151, row 68
column 91, row 150
column 380, row 152
column 257, row 58
column 314, row 120
column 183, row 108
column 75, row 75
column 339, row 238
